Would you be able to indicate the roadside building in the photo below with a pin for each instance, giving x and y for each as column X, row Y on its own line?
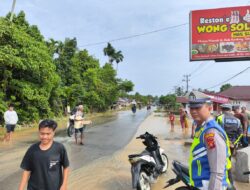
column 238, row 95
column 182, row 100
column 217, row 100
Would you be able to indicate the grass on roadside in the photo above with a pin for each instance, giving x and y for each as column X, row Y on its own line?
column 61, row 121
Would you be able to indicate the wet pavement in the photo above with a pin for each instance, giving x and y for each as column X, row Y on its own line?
column 102, row 163
column 101, row 140
column 113, row 172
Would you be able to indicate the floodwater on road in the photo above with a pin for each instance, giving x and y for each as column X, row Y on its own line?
column 113, row 172
column 104, row 138
column 102, row 164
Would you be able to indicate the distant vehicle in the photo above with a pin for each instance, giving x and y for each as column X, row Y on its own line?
column 133, row 108
column 147, row 166
column 148, row 107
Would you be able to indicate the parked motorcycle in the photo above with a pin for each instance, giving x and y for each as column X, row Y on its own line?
column 149, row 165
column 182, row 174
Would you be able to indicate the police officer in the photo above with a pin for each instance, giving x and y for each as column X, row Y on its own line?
column 209, row 155
column 231, row 125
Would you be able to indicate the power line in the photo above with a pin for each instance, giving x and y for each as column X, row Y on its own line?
column 202, row 65
column 230, row 78
column 196, row 69
column 134, row 36
column 206, row 66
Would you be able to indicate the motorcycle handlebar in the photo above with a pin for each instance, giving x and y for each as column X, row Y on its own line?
column 143, row 137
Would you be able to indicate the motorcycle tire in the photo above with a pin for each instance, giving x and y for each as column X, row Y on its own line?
column 182, row 188
column 165, row 161
column 70, row 130
column 143, row 183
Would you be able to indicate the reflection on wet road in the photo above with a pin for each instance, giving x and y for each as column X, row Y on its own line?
column 101, row 140
column 104, row 139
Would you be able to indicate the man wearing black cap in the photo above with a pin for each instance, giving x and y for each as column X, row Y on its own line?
column 209, row 156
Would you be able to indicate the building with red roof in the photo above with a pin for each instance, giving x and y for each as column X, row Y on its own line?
column 239, row 95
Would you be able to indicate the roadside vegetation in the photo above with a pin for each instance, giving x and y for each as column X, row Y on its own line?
column 42, row 77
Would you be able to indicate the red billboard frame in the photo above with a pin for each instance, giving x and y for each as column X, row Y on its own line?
column 220, row 34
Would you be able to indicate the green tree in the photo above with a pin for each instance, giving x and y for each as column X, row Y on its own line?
column 168, row 101
column 28, row 73
column 125, row 86
column 179, row 91
column 118, row 58
column 42, row 77
column 66, row 51
column 113, row 55
column 110, row 52
column 225, row 87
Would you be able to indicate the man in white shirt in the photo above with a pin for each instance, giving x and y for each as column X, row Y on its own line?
column 11, row 119
column 80, row 124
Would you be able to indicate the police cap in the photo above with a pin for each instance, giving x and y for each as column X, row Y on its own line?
column 235, row 107
column 197, row 99
column 226, row 106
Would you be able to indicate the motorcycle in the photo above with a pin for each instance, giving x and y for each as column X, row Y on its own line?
column 133, row 109
column 149, row 165
column 182, row 174
column 148, row 107
column 70, row 126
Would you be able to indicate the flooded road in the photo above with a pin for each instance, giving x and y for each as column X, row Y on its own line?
column 102, row 163
column 113, row 172
column 103, row 139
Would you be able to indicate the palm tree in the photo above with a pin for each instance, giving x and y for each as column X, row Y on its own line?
column 110, row 52
column 118, row 58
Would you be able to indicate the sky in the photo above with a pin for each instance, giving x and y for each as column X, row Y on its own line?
column 156, row 62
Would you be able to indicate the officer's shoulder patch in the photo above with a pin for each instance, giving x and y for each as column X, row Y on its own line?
column 209, row 138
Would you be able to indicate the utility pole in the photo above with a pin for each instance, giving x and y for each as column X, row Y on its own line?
column 186, row 79
column 12, row 10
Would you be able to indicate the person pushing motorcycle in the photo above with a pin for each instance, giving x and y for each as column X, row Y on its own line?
column 209, row 155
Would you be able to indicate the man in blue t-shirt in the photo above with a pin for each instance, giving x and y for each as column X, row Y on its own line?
column 45, row 164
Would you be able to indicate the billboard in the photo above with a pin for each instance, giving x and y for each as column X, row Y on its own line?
column 220, row 34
